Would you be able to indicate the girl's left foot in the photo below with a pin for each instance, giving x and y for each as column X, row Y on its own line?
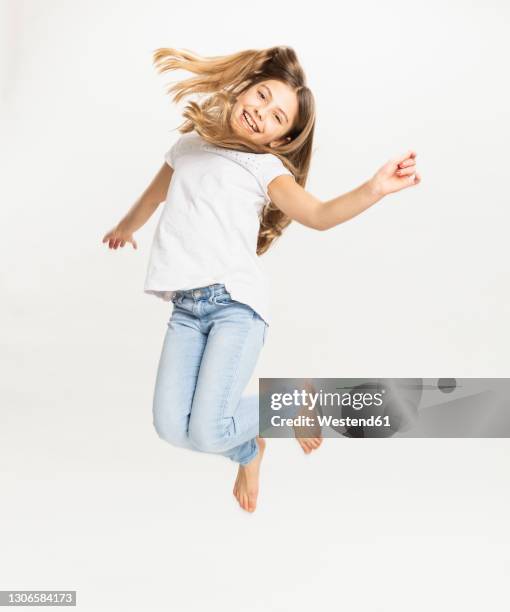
column 246, row 487
column 309, row 437
column 309, row 444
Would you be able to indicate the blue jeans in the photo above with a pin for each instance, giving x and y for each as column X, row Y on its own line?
column 210, row 350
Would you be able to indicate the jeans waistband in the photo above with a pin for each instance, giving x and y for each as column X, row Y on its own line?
column 203, row 292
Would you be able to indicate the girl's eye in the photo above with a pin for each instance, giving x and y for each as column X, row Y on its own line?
column 264, row 97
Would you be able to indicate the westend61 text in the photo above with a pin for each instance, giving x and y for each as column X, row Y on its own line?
column 329, row 421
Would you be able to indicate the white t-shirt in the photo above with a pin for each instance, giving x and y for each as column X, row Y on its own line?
column 207, row 231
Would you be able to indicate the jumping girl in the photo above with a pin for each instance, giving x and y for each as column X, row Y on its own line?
column 233, row 181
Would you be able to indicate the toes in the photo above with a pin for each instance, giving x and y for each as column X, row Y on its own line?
column 309, row 444
column 252, row 501
column 316, row 442
column 245, row 502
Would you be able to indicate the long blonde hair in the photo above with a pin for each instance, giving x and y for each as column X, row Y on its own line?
column 224, row 78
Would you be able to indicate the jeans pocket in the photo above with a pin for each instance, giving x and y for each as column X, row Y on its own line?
column 223, row 299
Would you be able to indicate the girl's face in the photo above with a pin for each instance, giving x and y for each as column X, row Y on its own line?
column 271, row 107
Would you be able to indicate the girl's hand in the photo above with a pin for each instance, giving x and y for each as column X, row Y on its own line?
column 395, row 175
column 118, row 237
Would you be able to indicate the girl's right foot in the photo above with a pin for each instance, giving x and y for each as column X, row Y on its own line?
column 246, row 486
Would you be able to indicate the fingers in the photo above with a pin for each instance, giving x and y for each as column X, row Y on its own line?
column 405, row 156
column 413, row 179
column 405, row 171
column 114, row 242
column 108, row 238
column 408, row 162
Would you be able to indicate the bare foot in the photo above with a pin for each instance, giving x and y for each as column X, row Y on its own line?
column 308, row 437
column 246, row 487
column 309, row 444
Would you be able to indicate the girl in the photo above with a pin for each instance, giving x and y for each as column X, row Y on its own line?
column 233, row 181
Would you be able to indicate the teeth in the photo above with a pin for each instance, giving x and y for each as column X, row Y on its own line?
column 248, row 120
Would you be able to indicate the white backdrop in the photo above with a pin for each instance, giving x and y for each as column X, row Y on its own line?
column 415, row 286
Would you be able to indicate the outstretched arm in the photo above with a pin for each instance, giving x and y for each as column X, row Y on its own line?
column 302, row 206
column 141, row 210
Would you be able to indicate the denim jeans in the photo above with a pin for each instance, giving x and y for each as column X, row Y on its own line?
column 210, row 350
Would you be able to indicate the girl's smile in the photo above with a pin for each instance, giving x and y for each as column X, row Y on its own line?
column 248, row 122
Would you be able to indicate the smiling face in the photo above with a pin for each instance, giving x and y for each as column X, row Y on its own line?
column 265, row 112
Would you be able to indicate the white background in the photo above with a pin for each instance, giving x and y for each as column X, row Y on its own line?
column 92, row 499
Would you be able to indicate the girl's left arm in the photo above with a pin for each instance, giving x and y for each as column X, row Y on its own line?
column 300, row 205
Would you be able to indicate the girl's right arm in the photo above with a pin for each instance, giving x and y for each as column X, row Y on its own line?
column 141, row 210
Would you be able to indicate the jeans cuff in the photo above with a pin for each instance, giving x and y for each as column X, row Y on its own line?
column 252, row 454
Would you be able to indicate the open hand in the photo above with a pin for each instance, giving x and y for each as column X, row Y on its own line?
column 118, row 237
column 399, row 173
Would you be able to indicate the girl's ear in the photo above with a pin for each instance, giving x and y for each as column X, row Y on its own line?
column 277, row 143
